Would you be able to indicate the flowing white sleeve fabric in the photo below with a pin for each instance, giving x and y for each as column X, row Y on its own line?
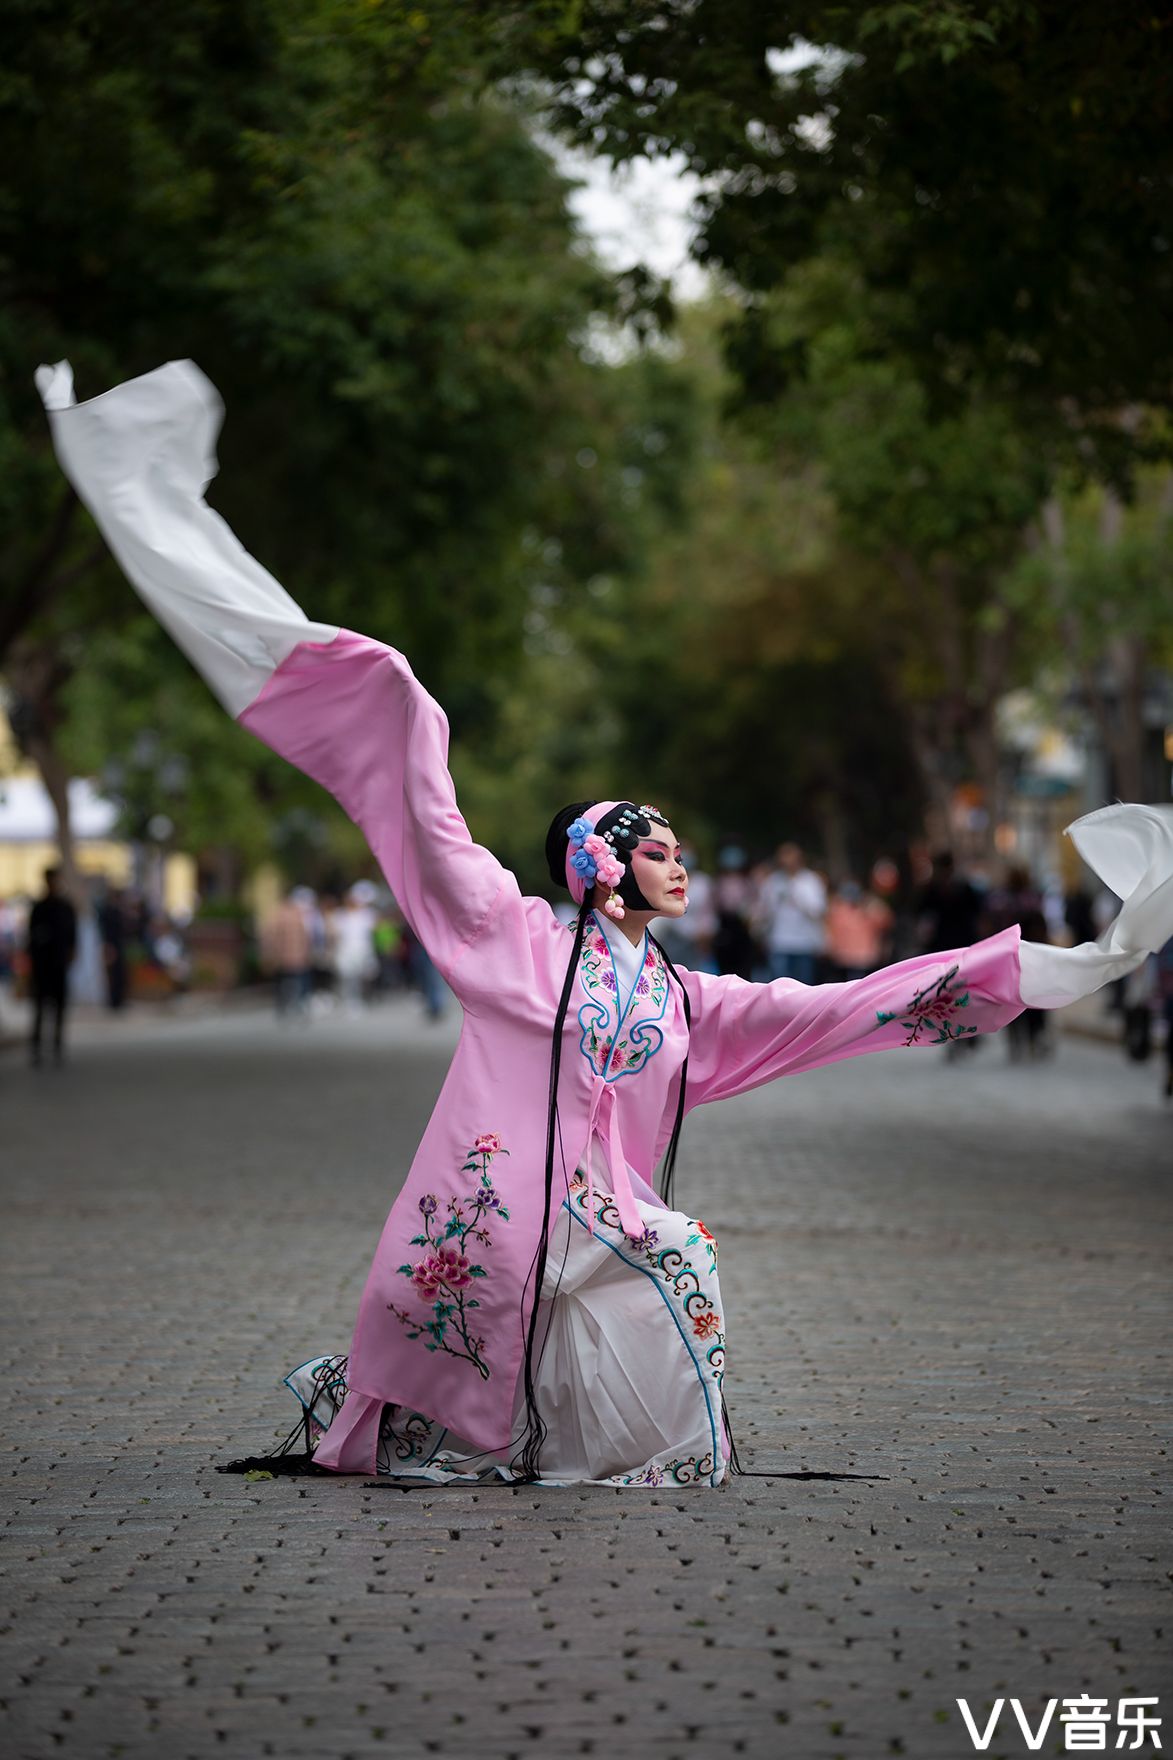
column 345, row 709
column 1130, row 848
column 140, row 457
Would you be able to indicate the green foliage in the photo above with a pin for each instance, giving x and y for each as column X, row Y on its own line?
column 372, row 259
column 1005, row 171
column 1106, row 574
column 770, row 578
column 729, row 677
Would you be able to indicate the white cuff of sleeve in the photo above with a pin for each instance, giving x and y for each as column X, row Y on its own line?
column 1130, row 848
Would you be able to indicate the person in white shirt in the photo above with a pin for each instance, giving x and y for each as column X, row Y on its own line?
column 792, row 906
column 354, row 949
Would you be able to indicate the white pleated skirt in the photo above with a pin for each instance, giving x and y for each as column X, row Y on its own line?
column 632, row 1356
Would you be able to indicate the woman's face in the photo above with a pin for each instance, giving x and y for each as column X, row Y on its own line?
column 659, row 872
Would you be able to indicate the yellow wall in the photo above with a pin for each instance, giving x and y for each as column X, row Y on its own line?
column 22, row 868
column 22, row 865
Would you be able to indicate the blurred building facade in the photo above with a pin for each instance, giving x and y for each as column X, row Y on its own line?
column 28, row 839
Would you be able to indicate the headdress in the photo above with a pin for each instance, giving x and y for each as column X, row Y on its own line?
column 600, row 842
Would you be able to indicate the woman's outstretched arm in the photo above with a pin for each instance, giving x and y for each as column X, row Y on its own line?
column 345, row 709
column 745, row 1034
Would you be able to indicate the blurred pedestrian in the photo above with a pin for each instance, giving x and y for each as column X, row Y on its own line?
column 9, row 944
column 734, row 948
column 114, row 924
column 388, row 940
column 52, row 939
column 354, row 949
column 1163, row 961
column 170, row 951
column 286, row 952
column 1080, row 918
column 425, row 977
column 792, row 907
column 948, row 916
column 948, row 909
column 1019, row 900
column 857, row 927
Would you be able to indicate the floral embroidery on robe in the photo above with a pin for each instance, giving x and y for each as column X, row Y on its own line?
column 446, row 1273
column 931, row 1011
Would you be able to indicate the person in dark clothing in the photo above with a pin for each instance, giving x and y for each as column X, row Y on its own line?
column 1079, row 916
column 52, row 938
column 114, row 926
column 948, row 916
column 948, row 909
column 1019, row 901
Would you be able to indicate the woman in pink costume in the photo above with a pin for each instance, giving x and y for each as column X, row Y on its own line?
column 535, row 1308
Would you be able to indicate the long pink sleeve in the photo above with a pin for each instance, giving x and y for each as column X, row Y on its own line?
column 745, row 1034
column 352, row 715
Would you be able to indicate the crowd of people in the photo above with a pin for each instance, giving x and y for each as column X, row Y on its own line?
column 785, row 918
column 782, row 918
column 55, row 954
column 323, row 951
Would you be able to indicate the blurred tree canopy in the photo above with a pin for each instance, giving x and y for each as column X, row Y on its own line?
column 371, row 257
column 999, row 176
column 772, row 565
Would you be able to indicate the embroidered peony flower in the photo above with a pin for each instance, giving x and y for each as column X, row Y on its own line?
column 705, row 1325
column 490, row 1199
column 454, row 1268
column 427, row 1205
column 578, row 833
column 487, row 1144
column 608, row 980
column 641, row 988
column 426, row 1276
column 618, row 1057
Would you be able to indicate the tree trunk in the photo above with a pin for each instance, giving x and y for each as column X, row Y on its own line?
column 55, row 776
column 932, row 763
column 1113, row 685
column 1128, row 659
column 37, row 676
column 984, row 756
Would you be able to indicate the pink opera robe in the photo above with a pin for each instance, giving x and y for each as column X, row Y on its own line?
column 441, row 1322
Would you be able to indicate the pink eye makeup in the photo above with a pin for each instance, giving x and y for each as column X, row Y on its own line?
column 656, row 851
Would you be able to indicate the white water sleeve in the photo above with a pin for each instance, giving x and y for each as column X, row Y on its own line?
column 140, row 457
column 1131, row 849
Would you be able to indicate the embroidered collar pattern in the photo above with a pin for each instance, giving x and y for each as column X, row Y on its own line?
column 619, row 1038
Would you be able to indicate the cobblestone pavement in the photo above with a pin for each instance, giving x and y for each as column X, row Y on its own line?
column 953, row 1276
